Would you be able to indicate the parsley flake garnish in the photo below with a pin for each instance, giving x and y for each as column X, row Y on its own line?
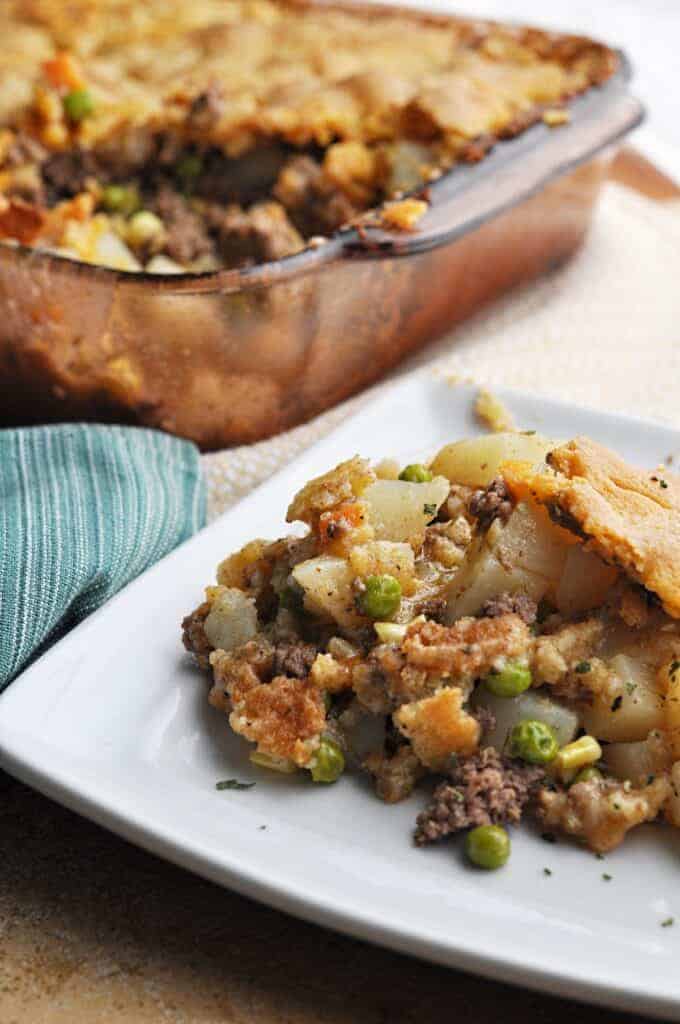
column 606, row 877
column 547, row 871
column 582, row 667
column 668, row 922
column 233, row 784
column 429, row 508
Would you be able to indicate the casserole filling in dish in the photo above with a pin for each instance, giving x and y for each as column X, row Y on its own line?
column 173, row 137
column 502, row 621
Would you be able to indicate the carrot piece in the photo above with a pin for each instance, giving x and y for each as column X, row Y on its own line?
column 63, row 71
column 21, row 221
column 340, row 520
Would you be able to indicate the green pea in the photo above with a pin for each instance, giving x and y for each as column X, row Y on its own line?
column 416, row 473
column 533, row 741
column 488, row 846
column 188, row 169
column 329, row 761
column 381, row 598
column 78, row 104
column 511, row 680
column 121, row 199
column 587, row 774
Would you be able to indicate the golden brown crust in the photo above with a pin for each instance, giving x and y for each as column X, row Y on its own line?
column 629, row 517
column 437, row 727
column 284, row 717
column 305, row 73
column 469, row 648
column 342, row 484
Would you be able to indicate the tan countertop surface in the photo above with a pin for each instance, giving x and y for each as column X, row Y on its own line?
column 94, row 930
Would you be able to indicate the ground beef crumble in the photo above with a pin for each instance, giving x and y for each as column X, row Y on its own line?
column 186, row 236
column 314, row 204
column 294, row 659
column 193, row 634
column 492, row 502
column 504, row 604
column 256, row 235
column 484, row 789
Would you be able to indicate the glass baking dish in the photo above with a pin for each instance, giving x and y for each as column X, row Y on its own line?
column 233, row 356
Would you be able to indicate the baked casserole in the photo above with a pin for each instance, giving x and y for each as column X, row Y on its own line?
column 503, row 622
column 177, row 137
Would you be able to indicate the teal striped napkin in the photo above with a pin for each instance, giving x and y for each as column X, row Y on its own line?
column 83, row 510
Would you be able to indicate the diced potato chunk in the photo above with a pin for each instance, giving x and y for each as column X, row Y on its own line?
column 584, row 582
column 525, row 555
column 508, row 712
column 477, row 460
column 633, row 714
column 637, row 761
column 327, row 583
column 232, row 620
column 400, row 510
column 385, row 556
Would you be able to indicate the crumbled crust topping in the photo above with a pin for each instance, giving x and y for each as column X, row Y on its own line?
column 327, row 492
column 438, row 726
column 468, row 649
column 284, row 716
column 233, row 73
column 492, row 413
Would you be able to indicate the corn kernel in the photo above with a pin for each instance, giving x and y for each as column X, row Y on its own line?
column 143, row 228
column 390, row 632
column 575, row 756
column 394, row 632
column 555, row 117
column 275, row 764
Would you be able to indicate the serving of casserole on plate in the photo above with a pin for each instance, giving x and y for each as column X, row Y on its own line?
column 583, row 546
column 503, row 618
column 192, row 197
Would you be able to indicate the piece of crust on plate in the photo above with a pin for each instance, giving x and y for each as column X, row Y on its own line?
column 630, row 517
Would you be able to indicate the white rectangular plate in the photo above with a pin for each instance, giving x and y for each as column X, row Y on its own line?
column 114, row 723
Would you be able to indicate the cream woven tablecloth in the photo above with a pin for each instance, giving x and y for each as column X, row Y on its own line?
column 603, row 331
